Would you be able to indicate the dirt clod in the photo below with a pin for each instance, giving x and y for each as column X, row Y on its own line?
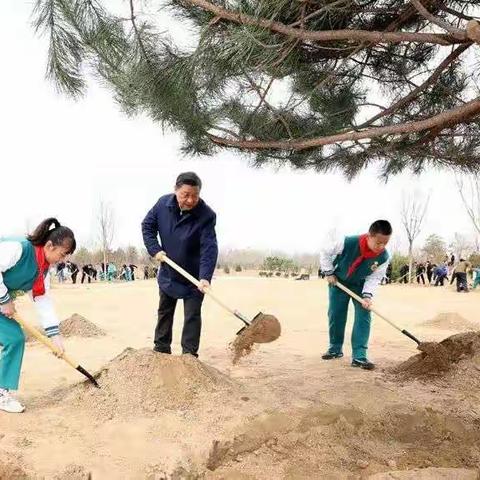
column 264, row 329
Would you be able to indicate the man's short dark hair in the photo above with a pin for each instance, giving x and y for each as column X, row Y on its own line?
column 188, row 178
column 381, row 227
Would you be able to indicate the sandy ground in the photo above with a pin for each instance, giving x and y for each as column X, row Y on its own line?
column 281, row 413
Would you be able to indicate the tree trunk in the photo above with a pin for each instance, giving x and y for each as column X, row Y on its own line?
column 410, row 262
column 105, row 264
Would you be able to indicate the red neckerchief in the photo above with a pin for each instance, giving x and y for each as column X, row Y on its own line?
column 42, row 264
column 365, row 253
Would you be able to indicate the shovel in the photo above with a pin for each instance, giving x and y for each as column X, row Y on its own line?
column 359, row 299
column 46, row 341
column 258, row 317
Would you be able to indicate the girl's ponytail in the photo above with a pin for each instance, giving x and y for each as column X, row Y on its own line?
column 58, row 235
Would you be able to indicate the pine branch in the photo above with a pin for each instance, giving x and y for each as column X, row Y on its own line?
column 65, row 52
column 457, row 115
column 455, row 32
column 323, row 36
column 418, row 90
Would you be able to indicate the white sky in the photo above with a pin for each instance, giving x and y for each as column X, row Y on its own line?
column 59, row 157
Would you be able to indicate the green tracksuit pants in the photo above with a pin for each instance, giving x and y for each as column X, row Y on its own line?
column 12, row 341
column 337, row 320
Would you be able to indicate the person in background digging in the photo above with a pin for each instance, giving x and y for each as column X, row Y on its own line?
column 441, row 274
column 419, row 273
column 24, row 266
column 461, row 270
column 132, row 271
column 404, row 273
column 359, row 262
column 73, row 268
column 186, row 227
column 429, row 269
column 87, row 273
column 388, row 275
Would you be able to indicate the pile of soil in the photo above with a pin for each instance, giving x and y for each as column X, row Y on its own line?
column 430, row 473
column 74, row 326
column 438, row 359
column 78, row 326
column 74, row 472
column 451, row 321
column 11, row 471
column 144, row 382
column 328, row 441
column 263, row 329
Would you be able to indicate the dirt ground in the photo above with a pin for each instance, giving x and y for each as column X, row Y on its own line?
column 280, row 413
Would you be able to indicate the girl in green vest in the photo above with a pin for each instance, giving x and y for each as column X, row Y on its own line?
column 24, row 265
column 360, row 263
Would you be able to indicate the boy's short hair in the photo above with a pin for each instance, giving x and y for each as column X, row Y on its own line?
column 188, row 178
column 382, row 227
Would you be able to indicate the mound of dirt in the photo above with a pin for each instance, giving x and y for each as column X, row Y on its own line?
column 78, row 326
column 9, row 470
column 12, row 472
column 451, row 321
column 74, row 472
column 327, row 441
column 143, row 382
column 263, row 329
column 438, row 359
column 431, row 473
column 74, row 326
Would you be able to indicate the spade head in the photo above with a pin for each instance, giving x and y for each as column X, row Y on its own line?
column 263, row 329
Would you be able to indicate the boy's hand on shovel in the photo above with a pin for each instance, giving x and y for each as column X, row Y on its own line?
column 58, row 341
column 367, row 303
column 331, row 279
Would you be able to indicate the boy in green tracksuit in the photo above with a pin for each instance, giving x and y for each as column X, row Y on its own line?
column 359, row 262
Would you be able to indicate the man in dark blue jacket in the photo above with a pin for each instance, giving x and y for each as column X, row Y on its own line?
column 186, row 227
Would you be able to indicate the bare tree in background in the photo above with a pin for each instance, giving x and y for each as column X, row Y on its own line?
column 461, row 246
column 414, row 208
column 106, row 229
column 469, row 190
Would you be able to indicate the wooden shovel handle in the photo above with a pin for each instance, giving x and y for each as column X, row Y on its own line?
column 45, row 340
column 360, row 300
column 196, row 282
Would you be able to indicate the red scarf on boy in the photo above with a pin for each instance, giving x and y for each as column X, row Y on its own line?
column 365, row 253
column 42, row 264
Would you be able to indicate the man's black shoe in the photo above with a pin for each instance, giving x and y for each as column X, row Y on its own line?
column 158, row 350
column 190, row 353
column 331, row 355
column 363, row 363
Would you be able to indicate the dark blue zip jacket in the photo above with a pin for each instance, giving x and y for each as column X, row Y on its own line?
column 189, row 239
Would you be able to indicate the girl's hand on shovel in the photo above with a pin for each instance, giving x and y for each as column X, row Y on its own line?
column 8, row 309
column 58, row 341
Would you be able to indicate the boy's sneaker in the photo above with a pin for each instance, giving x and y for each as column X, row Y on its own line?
column 10, row 404
column 331, row 355
column 363, row 363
